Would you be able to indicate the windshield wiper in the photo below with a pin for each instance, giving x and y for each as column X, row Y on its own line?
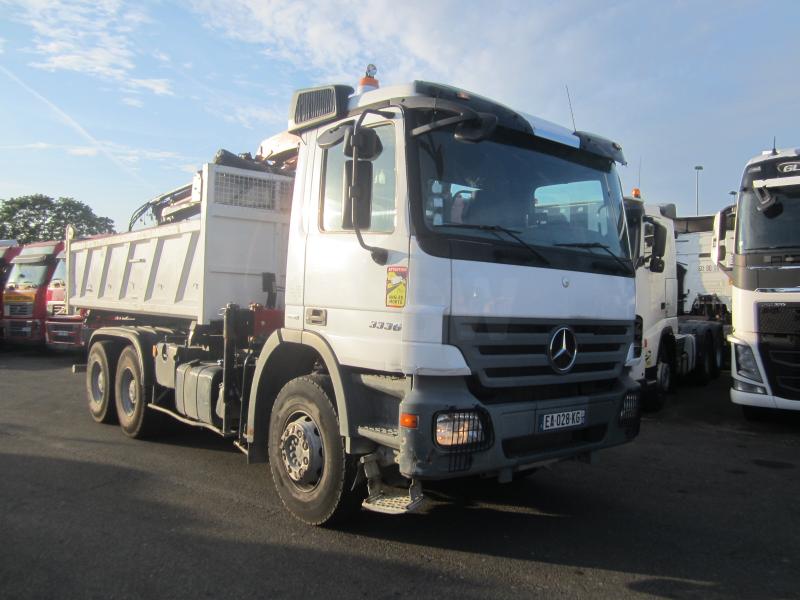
column 512, row 233
column 622, row 263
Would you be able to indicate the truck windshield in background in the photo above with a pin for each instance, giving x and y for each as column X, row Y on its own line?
column 59, row 277
column 777, row 229
column 24, row 276
column 551, row 197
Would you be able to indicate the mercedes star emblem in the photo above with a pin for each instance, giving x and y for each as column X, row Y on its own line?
column 562, row 350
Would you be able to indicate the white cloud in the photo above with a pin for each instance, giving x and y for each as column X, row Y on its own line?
column 161, row 56
column 250, row 116
column 92, row 37
column 160, row 87
column 134, row 102
column 83, row 151
column 121, row 153
column 2, row 45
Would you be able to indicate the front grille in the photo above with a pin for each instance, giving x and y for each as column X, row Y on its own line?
column 19, row 309
column 18, row 329
column 780, row 355
column 508, row 357
column 779, row 317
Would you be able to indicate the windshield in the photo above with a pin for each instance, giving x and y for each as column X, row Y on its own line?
column 552, row 197
column 60, row 274
column 758, row 231
column 26, row 276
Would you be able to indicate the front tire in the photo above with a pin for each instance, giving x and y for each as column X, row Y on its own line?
column 100, row 370
column 313, row 475
column 131, row 396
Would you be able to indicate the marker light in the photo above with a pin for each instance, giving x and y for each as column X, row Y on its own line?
column 368, row 82
column 636, row 193
column 408, row 421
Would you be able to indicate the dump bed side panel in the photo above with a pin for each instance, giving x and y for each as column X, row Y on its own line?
column 191, row 269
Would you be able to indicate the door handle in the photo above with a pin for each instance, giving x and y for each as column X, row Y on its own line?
column 316, row 316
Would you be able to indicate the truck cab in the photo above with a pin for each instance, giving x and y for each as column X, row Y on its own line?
column 457, row 296
column 763, row 264
column 63, row 331
column 673, row 345
column 8, row 250
column 25, row 292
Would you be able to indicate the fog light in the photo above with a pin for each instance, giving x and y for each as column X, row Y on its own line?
column 631, row 409
column 459, row 428
column 741, row 386
column 746, row 365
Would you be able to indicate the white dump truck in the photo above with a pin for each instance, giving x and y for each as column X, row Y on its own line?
column 412, row 283
column 675, row 345
column 763, row 263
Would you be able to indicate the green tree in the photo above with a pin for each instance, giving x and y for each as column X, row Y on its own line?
column 39, row 218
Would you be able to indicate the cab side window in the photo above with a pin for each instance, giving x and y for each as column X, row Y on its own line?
column 384, row 180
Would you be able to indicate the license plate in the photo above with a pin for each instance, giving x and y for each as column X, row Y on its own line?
column 562, row 420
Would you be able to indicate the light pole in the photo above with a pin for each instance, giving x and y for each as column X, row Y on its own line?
column 697, row 169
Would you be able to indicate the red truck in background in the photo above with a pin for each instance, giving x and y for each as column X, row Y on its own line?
column 8, row 250
column 25, row 292
column 63, row 331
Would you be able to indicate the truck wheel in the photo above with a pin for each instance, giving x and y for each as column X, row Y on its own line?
column 312, row 473
column 718, row 352
column 705, row 359
column 131, row 395
column 100, row 369
column 655, row 396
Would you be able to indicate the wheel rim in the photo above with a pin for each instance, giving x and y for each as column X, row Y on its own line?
column 97, row 383
column 302, row 451
column 129, row 392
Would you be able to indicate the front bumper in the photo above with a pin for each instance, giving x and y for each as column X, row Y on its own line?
column 23, row 331
column 64, row 335
column 514, row 441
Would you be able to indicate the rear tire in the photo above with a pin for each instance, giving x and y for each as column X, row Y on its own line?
column 718, row 345
column 100, row 371
column 705, row 359
column 654, row 398
column 313, row 475
column 131, row 396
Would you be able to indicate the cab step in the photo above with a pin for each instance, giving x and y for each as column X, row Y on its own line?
column 395, row 501
column 386, row 499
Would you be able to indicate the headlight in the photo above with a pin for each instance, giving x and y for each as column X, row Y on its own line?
column 746, row 363
column 742, row 386
column 459, row 428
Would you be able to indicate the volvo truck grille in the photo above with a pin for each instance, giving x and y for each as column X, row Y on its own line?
column 780, row 355
column 779, row 317
column 510, row 361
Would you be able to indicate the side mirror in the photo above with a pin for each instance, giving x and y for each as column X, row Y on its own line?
column 718, row 249
column 357, row 209
column 657, row 264
column 659, row 242
column 365, row 145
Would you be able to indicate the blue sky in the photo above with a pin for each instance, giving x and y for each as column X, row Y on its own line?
column 114, row 102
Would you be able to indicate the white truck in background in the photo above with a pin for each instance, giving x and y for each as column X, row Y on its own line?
column 705, row 289
column 338, row 307
column 674, row 345
column 763, row 263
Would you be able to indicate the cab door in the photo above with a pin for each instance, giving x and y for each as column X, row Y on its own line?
column 355, row 303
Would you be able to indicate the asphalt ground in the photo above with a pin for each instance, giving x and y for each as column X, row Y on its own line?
column 702, row 505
